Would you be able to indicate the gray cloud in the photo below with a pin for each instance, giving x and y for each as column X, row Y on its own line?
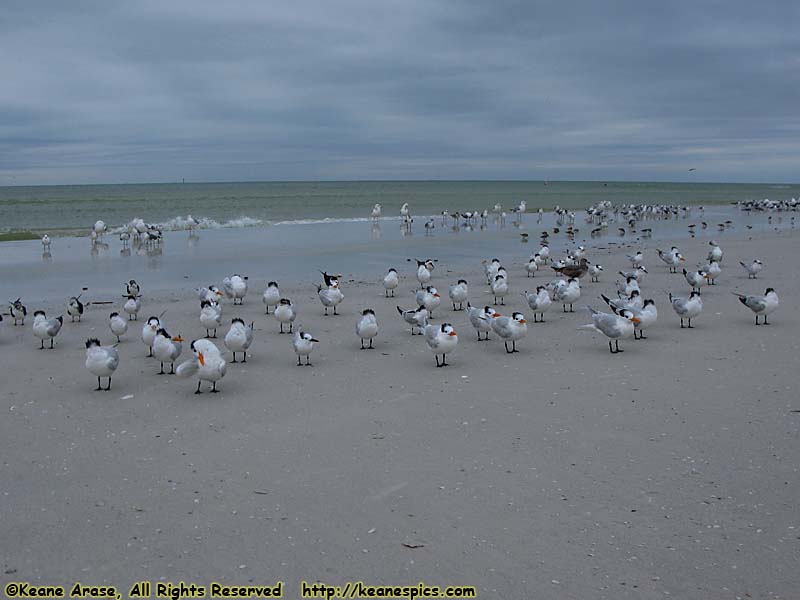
column 152, row 91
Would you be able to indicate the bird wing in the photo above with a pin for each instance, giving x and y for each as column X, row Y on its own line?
column 187, row 368
column 430, row 336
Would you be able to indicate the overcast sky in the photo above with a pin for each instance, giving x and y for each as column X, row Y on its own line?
column 145, row 91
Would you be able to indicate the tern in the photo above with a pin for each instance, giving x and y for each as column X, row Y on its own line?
column 367, row 327
column 46, row 243
column 429, row 298
column 424, row 271
column 614, row 327
column 417, row 318
column 207, row 364
column 672, row 259
column 390, row 282
column 687, row 308
column 101, row 361
column 235, row 288
column 75, row 307
column 167, row 349
column 538, row 302
column 239, row 338
column 18, row 311
column 459, row 293
column 132, row 288
column 532, row 266
column 594, row 271
column 481, row 319
column 210, row 316
column 442, row 340
column 753, row 269
column 331, row 295
column 715, row 253
column 132, row 307
column 117, row 324
column 499, row 288
column 760, row 305
column 303, row 344
column 272, row 296
column 149, row 333
column 695, row 279
column 44, row 328
column 285, row 313
column 568, row 293
column 635, row 259
column 511, row 329
column 638, row 273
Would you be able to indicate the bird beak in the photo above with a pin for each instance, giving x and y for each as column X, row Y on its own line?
column 177, row 339
column 636, row 320
column 314, row 340
column 218, row 293
column 683, row 259
column 523, row 321
column 201, row 359
column 497, row 314
column 436, row 296
column 452, row 334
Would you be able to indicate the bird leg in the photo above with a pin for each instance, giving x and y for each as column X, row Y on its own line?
column 299, row 363
column 51, row 343
column 362, row 343
column 98, row 388
column 308, row 361
column 436, row 356
column 214, row 389
column 234, row 356
column 42, row 348
column 281, row 327
column 326, row 311
column 109, row 384
column 161, row 372
column 371, row 347
column 172, row 368
column 690, row 324
column 197, row 391
column 244, row 360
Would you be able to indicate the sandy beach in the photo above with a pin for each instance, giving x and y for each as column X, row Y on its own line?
column 560, row 472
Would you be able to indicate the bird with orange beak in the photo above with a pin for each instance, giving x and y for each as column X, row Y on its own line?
column 511, row 329
column 207, row 364
column 614, row 327
column 167, row 349
column 441, row 339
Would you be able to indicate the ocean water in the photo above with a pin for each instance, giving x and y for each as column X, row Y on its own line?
column 71, row 210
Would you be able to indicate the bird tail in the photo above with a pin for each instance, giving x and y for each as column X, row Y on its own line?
column 400, row 310
column 606, row 299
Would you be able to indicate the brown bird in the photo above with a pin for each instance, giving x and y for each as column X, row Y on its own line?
column 576, row 271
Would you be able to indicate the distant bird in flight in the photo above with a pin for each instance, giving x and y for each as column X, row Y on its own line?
column 693, row 169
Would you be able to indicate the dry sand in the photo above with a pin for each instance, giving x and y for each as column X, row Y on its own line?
column 559, row 472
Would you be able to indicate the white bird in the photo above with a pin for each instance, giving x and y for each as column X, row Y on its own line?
column 499, row 289
column 712, row 271
column 132, row 307
column 568, row 294
column 416, row 317
column 210, row 293
column 695, row 279
column 638, row 273
column 404, row 212
column 442, row 340
column 539, row 302
column 44, row 328
column 272, row 296
column 594, row 271
column 101, row 361
column 132, row 288
column 614, row 327
column 687, row 308
column 210, row 316
column 429, row 298
column 544, row 252
column 235, row 288
column 511, row 329
column 367, row 327
column 208, row 364
column 303, row 344
column 99, row 228
column 481, row 319
column 647, row 316
column 376, row 212
column 491, row 268
column 760, row 305
column 430, row 225
column 117, row 324
column 149, row 332
column 239, row 338
column 459, row 293
column 390, row 282
column 46, row 243
column 424, row 271
column 632, row 302
column 636, row 259
column 672, row 259
column 532, row 266
column 715, row 253
column 285, row 313
column 75, row 308
column 753, row 269
column 167, row 349
column 330, row 296
column 18, row 311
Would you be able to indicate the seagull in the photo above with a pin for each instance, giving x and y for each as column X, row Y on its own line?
column 18, row 311
column 331, row 295
column 687, row 308
column 239, row 338
column 442, row 340
column 376, row 212
column 285, row 313
column 210, row 316
column 272, row 296
column 303, row 345
column 390, row 282
column 132, row 307
column 539, row 302
column 235, row 287
column 576, row 270
column 499, row 289
column 167, row 349
column 459, row 293
column 511, row 329
column 149, row 333
column 614, row 327
column 481, row 319
column 46, row 243
column 760, row 305
column 367, row 328
column 44, row 328
column 753, row 269
column 429, row 298
column 101, row 361
column 117, row 324
column 207, row 364
column 417, row 318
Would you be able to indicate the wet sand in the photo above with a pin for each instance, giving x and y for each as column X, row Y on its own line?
column 559, row 472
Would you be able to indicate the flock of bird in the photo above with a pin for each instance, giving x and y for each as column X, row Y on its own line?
column 631, row 313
